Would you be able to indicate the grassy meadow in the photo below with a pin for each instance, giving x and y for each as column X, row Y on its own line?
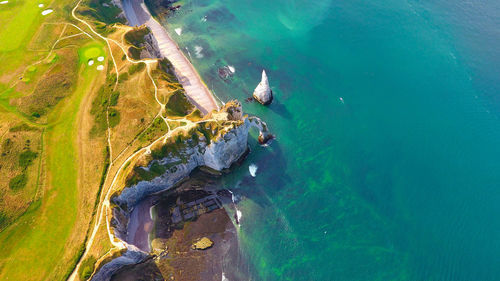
column 42, row 89
column 55, row 109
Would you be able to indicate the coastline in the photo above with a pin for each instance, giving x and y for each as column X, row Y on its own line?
column 198, row 93
column 172, row 237
column 225, row 144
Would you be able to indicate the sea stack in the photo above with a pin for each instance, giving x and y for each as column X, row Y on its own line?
column 263, row 93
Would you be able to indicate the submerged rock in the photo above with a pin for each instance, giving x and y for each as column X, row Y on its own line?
column 265, row 137
column 263, row 93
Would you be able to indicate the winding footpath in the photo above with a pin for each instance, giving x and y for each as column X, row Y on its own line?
column 196, row 91
column 137, row 14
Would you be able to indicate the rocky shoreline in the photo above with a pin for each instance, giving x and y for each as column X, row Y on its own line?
column 216, row 156
column 210, row 148
column 190, row 213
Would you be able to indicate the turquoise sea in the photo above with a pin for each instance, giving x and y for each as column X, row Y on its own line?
column 401, row 180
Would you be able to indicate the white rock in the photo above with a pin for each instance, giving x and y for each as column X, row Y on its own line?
column 40, row 5
column 91, row 62
column 100, row 67
column 263, row 93
column 101, row 58
column 178, row 31
column 4, row 2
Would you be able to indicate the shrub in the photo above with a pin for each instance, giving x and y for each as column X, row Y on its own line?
column 26, row 158
column 18, row 182
column 135, row 37
column 113, row 100
column 105, row 96
column 22, row 127
column 87, row 268
column 114, row 117
column 123, row 76
column 134, row 53
column 178, row 104
column 4, row 220
column 136, row 67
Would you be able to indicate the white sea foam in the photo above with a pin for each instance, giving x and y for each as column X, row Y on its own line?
column 46, row 12
column 232, row 196
column 197, row 51
column 341, row 100
column 253, row 170
column 178, row 31
column 204, row 19
column 231, row 68
column 238, row 215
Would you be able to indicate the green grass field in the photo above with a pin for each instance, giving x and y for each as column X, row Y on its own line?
column 35, row 244
column 19, row 21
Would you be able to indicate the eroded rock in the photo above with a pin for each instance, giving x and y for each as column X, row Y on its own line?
column 202, row 244
column 263, row 93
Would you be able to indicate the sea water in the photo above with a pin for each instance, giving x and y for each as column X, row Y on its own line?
column 386, row 163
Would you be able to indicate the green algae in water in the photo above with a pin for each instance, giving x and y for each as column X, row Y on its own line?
column 386, row 163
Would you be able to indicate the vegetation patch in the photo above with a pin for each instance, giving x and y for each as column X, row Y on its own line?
column 103, row 13
column 136, row 38
column 102, row 105
column 26, row 158
column 123, row 76
column 54, row 85
column 4, row 220
column 136, row 67
column 87, row 268
column 23, row 127
column 156, row 129
column 178, row 104
column 18, row 182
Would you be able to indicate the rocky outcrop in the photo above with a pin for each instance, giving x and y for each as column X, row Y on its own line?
column 263, row 93
column 217, row 155
column 132, row 256
column 202, row 244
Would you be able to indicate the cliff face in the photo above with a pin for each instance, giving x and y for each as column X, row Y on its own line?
column 217, row 155
column 132, row 256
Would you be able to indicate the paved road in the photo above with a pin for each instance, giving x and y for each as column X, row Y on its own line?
column 198, row 93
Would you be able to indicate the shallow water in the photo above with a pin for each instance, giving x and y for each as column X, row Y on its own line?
column 387, row 158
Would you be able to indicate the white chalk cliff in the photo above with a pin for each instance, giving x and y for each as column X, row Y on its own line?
column 217, row 154
column 263, row 93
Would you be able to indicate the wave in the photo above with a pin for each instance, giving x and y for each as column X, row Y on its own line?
column 197, row 51
column 253, row 170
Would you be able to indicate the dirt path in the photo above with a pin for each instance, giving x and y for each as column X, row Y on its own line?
column 198, row 93
column 196, row 90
